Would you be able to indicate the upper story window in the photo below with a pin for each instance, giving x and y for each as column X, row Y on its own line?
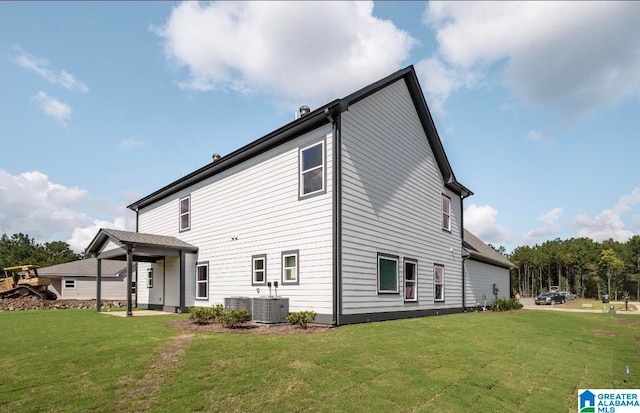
column 446, row 213
column 185, row 213
column 312, row 173
column 259, row 270
column 387, row 274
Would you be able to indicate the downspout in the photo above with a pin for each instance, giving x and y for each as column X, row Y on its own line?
column 464, row 258
column 337, row 218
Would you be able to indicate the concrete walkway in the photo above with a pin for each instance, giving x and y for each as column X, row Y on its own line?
column 529, row 304
column 136, row 313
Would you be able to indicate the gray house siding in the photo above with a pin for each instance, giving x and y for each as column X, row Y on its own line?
column 392, row 191
column 481, row 278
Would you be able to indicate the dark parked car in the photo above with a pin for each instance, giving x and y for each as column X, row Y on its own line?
column 550, row 298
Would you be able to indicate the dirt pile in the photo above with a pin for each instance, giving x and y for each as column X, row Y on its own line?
column 34, row 303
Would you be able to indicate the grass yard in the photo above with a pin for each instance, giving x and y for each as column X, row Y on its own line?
column 531, row 361
column 597, row 304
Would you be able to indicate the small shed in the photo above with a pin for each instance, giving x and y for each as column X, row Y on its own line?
column 77, row 279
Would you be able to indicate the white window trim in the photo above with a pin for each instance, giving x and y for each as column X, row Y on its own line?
column 414, row 281
column 446, row 213
column 388, row 258
column 205, row 281
column 295, row 254
column 322, row 166
column 263, row 258
column 434, row 282
column 72, row 281
column 181, row 214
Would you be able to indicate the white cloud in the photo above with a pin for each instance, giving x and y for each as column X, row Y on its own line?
column 537, row 136
column 482, row 221
column 130, row 143
column 609, row 223
column 52, row 107
column 41, row 67
column 573, row 56
column 30, row 203
column 296, row 52
column 82, row 236
column 550, row 227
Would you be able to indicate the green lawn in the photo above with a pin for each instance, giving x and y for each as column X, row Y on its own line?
column 532, row 361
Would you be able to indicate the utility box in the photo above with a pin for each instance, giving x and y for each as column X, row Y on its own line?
column 270, row 310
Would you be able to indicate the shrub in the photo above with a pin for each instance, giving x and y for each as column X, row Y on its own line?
column 505, row 304
column 232, row 318
column 301, row 318
column 206, row 315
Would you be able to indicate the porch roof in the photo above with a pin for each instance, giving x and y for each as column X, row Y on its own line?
column 143, row 247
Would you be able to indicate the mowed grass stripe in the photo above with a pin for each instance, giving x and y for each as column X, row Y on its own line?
column 508, row 362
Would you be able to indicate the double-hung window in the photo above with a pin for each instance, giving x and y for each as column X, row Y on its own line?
column 259, row 270
column 290, row 267
column 438, row 282
column 185, row 213
column 150, row 277
column 202, row 281
column 446, row 213
column 410, row 280
column 387, row 274
column 312, row 169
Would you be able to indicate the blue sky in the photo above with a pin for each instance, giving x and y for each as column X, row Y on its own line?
column 102, row 103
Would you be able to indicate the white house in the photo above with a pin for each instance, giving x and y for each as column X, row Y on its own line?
column 487, row 273
column 77, row 279
column 353, row 210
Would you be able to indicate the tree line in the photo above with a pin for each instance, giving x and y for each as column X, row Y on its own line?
column 20, row 249
column 580, row 265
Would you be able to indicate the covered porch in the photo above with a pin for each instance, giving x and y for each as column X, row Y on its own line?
column 135, row 247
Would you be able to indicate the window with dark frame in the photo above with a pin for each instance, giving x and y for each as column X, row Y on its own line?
column 185, row 213
column 150, row 277
column 438, row 282
column 259, row 270
column 70, row 284
column 387, row 274
column 312, row 169
column 446, row 213
column 410, row 280
column 290, row 267
column 202, row 281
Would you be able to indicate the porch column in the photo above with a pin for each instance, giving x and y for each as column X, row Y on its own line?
column 129, row 278
column 98, row 285
column 182, row 282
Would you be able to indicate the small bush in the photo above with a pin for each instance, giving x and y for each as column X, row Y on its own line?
column 232, row 318
column 301, row 318
column 505, row 304
column 206, row 315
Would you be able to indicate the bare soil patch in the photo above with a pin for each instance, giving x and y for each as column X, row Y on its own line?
column 250, row 328
column 35, row 303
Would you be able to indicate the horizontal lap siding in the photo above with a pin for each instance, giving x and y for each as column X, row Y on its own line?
column 253, row 209
column 480, row 278
column 391, row 203
column 111, row 288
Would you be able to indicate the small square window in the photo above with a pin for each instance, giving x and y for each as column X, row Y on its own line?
column 387, row 274
column 290, row 267
column 69, row 284
column 185, row 213
column 259, row 270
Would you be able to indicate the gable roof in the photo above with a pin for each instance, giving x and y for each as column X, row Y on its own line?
column 321, row 116
column 144, row 247
column 87, row 268
column 482, row 252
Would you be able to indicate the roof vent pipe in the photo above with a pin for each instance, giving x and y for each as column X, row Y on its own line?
column 304, row 110
column 215, row 156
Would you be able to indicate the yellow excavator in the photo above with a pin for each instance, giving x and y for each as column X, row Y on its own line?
column 23, row 281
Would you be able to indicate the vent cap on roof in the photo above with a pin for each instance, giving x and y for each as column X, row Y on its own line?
column 304, row 110
column 215, row 156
